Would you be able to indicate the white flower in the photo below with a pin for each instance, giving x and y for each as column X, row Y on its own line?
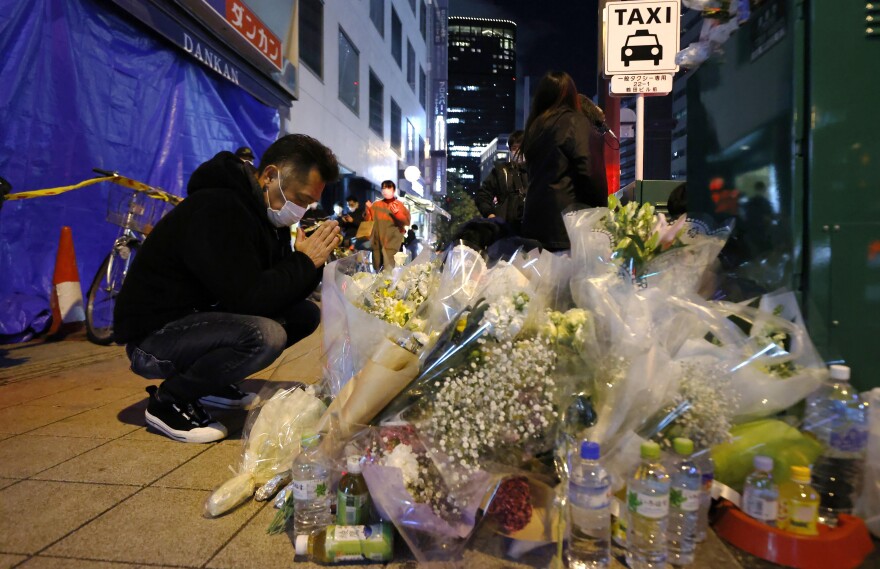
column 404, row 458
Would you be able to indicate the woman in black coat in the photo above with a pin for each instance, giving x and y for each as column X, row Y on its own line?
column 557, row 152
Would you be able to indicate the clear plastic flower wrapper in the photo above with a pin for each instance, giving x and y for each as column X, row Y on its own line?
column 765, row 346
column 360, row 308
column 272, row 436
column 435, row 511
column 463, row 271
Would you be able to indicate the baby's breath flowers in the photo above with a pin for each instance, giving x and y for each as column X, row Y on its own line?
column 701, row 410
column 503, row 397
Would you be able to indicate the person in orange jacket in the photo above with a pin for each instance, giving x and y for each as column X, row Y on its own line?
column 390, row 218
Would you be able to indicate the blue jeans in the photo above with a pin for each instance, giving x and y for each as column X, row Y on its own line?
column 204, row 350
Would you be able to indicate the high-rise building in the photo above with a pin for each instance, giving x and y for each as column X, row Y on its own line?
column 482, row 91
column 691, row 23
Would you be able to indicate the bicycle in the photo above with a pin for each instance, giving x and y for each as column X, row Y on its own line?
column 136, row 213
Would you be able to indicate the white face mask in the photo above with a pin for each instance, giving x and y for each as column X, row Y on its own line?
column 289, row 214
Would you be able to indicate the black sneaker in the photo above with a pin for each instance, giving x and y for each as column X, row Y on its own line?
column 229, row 397
column 185, row 422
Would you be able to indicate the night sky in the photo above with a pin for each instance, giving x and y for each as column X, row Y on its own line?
column 551, row 35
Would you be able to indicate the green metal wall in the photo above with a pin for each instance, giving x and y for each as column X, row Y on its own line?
column 842, row 175
column 784, row 136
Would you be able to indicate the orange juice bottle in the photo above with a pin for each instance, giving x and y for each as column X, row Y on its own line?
column 798, row 504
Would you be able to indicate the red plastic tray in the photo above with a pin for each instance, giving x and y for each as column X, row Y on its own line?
column 843, row 547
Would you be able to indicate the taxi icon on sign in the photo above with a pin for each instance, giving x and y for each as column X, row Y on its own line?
column 641, row 46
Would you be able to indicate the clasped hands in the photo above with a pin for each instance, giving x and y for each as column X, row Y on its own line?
column 320, row 243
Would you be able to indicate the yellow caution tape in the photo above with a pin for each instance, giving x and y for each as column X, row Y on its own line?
column 129, row 183
column 55, row 191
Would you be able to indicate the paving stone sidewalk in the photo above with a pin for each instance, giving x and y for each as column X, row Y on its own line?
column 83, row 484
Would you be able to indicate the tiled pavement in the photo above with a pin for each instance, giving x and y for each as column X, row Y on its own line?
column 83, row 485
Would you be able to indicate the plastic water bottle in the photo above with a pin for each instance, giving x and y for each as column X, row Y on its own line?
column 707, row 468
column 311, row 490
column 838, row 417
column 589, row 499
column 760, row 498
column 686, row 484
column 647, row 507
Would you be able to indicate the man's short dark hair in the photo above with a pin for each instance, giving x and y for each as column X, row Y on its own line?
column 352, row 199
column 388, row 183
column 301, row 153
column 515, row 138
column 414, row 227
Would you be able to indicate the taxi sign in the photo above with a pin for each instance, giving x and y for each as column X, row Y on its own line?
column 642, row 83
column 641, row 37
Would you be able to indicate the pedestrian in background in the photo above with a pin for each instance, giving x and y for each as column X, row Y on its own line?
column 556, row 146
column 350, row 222
column 389, row 217
column 503, row 193
column 411, row 243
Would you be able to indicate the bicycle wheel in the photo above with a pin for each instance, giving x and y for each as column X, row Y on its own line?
column 102, row 294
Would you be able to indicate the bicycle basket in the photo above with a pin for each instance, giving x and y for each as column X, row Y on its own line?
column 136, row 210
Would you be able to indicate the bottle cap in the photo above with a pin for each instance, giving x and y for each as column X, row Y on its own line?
column 590, row 450
column 683, row 446
column 302, row 544
column 650, row 449
column 800, row 474
column 353, row 464
column 839, row 372
column 764, row 463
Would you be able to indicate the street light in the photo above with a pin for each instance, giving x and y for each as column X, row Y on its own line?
column 412, row 174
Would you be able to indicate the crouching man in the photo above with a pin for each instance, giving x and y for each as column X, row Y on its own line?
column 216, row 292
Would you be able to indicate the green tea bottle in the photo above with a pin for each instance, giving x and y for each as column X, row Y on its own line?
column 335, row 544
column 352, row 497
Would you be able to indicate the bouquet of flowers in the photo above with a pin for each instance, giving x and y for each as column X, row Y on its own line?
column 360, row 309
column 434, row 513
column 272, row 436
column 484, row 403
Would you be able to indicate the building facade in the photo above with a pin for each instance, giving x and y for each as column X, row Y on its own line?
column 691, row 23
column 363, row 91
column 494, row 152
column 482, row 91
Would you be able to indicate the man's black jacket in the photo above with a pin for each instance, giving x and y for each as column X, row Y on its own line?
column 507, row 184
column 216, row 251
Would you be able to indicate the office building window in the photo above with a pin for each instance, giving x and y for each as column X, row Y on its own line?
column 349, row 73
column 377, row 105
column 396, row 127
column 411, row 66
column 311, row 35
column 396, row 38
column 377, row 14
column 423, row 88
column 423, row 20
column 411, row 156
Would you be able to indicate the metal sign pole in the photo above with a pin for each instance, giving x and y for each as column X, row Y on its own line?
column 640, row 137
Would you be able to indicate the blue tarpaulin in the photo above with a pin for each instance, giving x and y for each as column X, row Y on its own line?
column 83, row 86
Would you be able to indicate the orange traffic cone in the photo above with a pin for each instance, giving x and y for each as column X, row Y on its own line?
column 67, row 299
